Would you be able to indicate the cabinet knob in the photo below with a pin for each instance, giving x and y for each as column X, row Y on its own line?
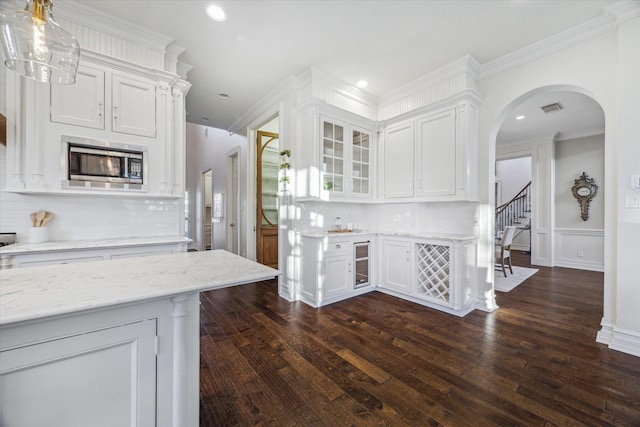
column 338, row 246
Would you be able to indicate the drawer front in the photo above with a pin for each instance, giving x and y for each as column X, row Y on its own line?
column 339, row 247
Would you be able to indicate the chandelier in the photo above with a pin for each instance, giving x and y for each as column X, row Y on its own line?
column 35, row 46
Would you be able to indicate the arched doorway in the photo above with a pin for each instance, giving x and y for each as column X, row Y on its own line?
column 553, row 140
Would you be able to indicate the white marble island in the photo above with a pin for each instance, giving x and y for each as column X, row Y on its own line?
column 110, row 342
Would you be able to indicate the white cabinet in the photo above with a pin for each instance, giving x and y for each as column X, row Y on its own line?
column 346, row 158
column 334, row 155
column 82, row 103
column 126, row 103
column 114, row 102
column 338, row 274
column 396, row 265
column 436, row 272
column 328, row 273
column 435, row 168
column 115, row 365
column 431, row 157
column 398, row 158
column 134, row 106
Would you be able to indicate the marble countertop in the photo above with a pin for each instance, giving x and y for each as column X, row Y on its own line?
column 413, row 234
column 74, row 245
column 39, row 292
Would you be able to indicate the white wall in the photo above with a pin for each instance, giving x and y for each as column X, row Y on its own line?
column 207, row 148
column 578, row 243
column 513, row 174
column 572, row 157
column 606, row 68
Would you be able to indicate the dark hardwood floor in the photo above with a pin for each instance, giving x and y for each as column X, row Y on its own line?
column 378, row 360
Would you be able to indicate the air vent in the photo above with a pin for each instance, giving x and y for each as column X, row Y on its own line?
column 556, row 106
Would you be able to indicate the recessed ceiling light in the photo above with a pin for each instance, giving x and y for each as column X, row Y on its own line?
column 519, row 117
column 362, row 84
column 216, row 13
column 224, row 95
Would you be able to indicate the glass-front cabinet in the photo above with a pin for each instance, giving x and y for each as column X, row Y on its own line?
column 333, row 154
column 346, row 158
column 360, row 155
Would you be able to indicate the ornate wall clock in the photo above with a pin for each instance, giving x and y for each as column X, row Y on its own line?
column 584, row 190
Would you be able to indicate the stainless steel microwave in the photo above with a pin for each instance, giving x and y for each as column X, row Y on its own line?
column 92, row 163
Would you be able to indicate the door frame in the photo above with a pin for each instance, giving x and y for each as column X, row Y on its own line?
column 252, row 176
column 274, row 228
column 233, row 199
column 202, row 207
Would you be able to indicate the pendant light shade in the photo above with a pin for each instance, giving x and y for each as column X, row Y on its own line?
column 35, row 46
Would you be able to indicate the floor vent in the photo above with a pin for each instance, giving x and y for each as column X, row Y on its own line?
column 556, row 106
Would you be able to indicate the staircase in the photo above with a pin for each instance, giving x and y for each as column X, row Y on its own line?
column 516, row 212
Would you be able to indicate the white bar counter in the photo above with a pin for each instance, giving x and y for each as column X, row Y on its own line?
column 115, row 342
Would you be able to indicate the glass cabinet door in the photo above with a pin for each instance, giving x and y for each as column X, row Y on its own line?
column 333, row 156
column 360, row 155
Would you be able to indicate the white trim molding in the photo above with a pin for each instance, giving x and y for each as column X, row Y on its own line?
column 582, row 249
column 620, row 339
column 609, row 20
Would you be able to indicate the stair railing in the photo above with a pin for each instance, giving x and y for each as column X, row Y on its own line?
column 514, row 210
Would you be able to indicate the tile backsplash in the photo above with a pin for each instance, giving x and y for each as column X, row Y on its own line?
column 80, row 217
column 443, row 217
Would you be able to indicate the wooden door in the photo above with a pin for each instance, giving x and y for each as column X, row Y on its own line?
column 268, row 162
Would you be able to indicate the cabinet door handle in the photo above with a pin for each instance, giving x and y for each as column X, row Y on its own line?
column 349, row 264
column 115, row 112
column 100, row 110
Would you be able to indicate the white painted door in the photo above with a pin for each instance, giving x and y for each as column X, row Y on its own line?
column 102, row 379
column 436, row 155
column 398, row 161
column 396, row 267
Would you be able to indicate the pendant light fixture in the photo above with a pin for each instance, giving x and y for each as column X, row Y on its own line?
column 35, row 46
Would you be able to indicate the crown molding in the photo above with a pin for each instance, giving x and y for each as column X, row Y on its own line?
column 468, row 65
column 79, row 13
column 449, row 80
column 275, row 96
column 609, row 19
column 623, row 11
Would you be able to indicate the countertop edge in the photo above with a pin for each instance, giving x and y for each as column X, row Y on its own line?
column 79, row 245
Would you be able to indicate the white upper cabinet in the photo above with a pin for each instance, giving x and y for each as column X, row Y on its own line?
column 134, row 106
column 346, row 158
column 130, row 106
column 339, row 163
column 398, row 159
column 431, row 157
column 82, row 103
column 435, row 168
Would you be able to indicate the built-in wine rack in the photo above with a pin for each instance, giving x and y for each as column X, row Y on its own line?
column 433, row 275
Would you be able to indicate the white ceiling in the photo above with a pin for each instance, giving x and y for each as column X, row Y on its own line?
column 388, row 43
column 580, row 116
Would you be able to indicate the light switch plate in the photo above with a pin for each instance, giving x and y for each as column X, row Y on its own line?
column 633, row 200
column 635, row 181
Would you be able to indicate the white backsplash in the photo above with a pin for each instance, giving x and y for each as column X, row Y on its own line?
column 88, row 217
column 449, row 217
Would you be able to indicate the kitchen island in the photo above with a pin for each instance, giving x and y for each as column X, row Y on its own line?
column 111, row 342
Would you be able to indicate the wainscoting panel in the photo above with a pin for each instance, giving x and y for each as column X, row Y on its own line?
column 579, row 248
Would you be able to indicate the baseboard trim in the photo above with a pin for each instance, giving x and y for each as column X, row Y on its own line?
column 625, row 341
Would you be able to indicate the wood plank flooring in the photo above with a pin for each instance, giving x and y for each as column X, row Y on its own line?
column 376, row 360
